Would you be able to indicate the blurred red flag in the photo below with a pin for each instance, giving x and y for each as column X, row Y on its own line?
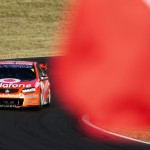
column 106, row 73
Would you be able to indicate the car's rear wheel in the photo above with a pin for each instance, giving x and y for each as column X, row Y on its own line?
column 49, row 98
column 41, row 99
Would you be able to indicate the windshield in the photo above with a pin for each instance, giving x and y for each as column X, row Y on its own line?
column 19, row 71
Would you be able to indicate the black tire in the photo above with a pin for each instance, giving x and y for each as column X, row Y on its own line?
column 49, row 98
column 39, row 107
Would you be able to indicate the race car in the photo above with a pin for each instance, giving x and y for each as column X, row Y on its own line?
column 23, row 84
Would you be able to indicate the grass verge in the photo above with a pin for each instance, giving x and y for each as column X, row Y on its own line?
column 28, row 28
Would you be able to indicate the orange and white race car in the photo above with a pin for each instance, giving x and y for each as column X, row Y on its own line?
column 23, row 84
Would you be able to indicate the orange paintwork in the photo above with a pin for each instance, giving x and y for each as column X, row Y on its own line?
column 30, row 98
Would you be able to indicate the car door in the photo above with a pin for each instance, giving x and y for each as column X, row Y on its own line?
column 44, row 82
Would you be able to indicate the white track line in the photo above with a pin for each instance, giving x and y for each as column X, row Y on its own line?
column 147, row 2
column 86, row 121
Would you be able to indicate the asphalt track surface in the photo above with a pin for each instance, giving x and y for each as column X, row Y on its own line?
column 48, row 129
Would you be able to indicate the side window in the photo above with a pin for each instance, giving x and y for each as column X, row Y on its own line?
column 40, row 71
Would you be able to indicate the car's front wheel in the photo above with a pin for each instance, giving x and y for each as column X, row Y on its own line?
column 40, row 101
column 39, row 107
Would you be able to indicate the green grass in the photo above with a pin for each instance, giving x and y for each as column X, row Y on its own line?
column 28, row 28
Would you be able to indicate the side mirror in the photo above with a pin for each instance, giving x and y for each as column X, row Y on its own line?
column 43, row 66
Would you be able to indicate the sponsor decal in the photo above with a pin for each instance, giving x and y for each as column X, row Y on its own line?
column 9, row 80
column 12, row 95
column 32, row 101
column 12, row 85
column 8, row 102
column 15, row 66
column 32, row 96
column 29, row 90
column 6, row 106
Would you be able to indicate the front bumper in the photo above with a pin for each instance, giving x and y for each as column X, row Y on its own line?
column 19, row 100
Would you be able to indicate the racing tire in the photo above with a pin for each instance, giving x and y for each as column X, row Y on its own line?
column 41, row 102
column 39, row 107
column 49, row 98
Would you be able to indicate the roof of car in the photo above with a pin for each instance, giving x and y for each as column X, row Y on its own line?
column 18, row 62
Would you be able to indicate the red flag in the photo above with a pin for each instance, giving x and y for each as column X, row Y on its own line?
column 106, row 74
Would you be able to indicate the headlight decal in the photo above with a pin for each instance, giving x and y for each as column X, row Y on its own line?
column 28, row 90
